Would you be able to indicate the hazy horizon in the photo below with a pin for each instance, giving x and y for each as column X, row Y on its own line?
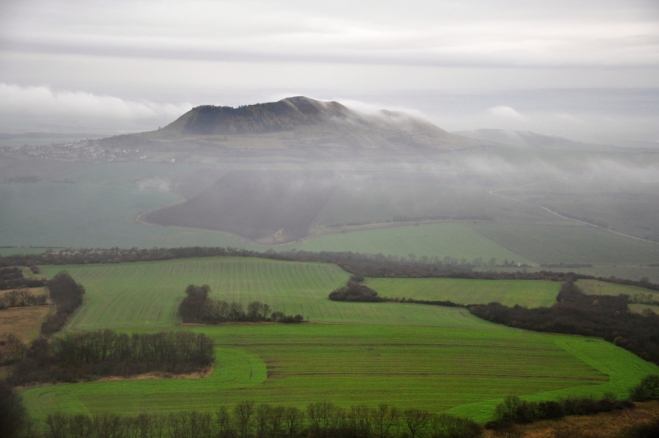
column 586, row 71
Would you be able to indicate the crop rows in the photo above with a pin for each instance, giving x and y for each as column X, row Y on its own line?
column 463, row 370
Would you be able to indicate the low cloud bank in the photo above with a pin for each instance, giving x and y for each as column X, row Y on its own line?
column 39, row 107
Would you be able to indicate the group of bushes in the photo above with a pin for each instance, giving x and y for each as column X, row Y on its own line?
column 67, row 296
column 319, row 420
column 197, row 307
column 354, row 291
column 93, row 354
column 11, row 277
column 21, row 298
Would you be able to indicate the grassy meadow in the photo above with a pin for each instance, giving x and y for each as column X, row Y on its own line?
column 440, row 240
column 436, row 358
column 527, row 293
column 595, row 287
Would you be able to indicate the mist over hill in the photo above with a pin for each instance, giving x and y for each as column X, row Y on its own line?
column 295, row 123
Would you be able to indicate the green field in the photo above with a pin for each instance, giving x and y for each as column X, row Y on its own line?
column 569, row 243
column 527, row 293
column 464, row 371
column 441, row 240
column 437, row 358
column 138, row 295
column 595, row 287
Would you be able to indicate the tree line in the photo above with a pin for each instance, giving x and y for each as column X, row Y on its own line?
column 367, row 265
column 318, row 420
column 11, row 277
column 67, row 296
column 514, row 410
column 248, row 420
column 576, row 313
column 197, row 307
column 92, row 354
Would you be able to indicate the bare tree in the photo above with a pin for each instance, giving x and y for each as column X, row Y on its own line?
column 243, row 416
column 416, row 421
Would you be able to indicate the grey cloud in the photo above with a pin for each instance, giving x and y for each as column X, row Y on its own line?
column 418, row 33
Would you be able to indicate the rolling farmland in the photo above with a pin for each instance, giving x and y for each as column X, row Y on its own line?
column 436, row 358
column 137, row 295
column 527, row 293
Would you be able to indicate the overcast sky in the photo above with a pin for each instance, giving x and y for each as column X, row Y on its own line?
column 585, row 69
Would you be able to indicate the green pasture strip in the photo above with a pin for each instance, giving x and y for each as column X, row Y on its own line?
column 596, row 287
column 147, row 294
column 438, row 368
column 527, row 293
column 642, row 308
column 569, row 243
column 624, row 369
column 431, row 240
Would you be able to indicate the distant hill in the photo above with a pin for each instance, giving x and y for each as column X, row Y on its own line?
column 296, row 123
column 526, row 139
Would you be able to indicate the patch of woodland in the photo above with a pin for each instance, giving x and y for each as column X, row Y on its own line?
column 11, row 277
column 198, row 308
column 365, row 265
column 67, row 296
column 576, row 313
column 90, row 355
column 246, row 419
column 21, row 298
column 356, row 292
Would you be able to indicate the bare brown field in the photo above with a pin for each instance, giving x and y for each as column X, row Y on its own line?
column 24, row 322
column 604, row 425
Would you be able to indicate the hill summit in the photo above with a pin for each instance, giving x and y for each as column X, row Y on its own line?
column 296, row 123
column 284, row 115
